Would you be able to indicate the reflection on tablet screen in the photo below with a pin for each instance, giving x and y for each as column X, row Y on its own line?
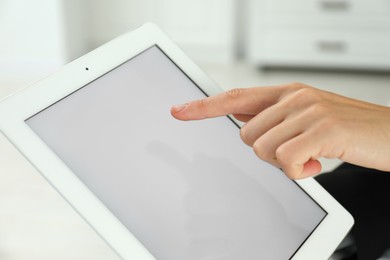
column 186, row 190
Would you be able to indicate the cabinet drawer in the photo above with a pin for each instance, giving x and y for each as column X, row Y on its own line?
column 328, row 43
column 372, row 7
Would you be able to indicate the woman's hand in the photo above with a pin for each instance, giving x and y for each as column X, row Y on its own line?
column 293, row 125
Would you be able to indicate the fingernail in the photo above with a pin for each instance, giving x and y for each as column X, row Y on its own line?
column 178, row 108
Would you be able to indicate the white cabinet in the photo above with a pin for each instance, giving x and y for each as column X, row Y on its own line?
column 320, row 33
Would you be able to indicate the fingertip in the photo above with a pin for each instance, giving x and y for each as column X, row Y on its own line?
column 177, row 111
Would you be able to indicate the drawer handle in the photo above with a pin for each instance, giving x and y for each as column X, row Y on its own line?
column 335, row 6
column 332, row 46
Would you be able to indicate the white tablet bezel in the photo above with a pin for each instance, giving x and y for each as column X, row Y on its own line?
column 29, row 101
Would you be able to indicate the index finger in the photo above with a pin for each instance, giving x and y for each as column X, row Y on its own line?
column 243, row 101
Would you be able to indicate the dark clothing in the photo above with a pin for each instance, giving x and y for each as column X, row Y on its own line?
column 365, row 193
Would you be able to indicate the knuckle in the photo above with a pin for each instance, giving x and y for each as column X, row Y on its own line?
column 260, row 150
column 305, row 96
column 285, row 163
column 202, row 103
column 297, row 85
column 279, row 153
column 244, row 135
column 234, row 93
column 307, row 93
column 202, row 106
column 321, row 112
column 283, row 154
column 319, row 108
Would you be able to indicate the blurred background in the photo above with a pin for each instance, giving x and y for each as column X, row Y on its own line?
column 338, row 45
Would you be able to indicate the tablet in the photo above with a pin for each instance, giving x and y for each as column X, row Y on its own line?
column 100, row 131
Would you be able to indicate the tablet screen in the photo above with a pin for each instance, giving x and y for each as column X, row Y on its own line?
column 186, row 190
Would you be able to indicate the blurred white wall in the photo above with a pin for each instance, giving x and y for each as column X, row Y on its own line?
column 31, row 37
column 38, row 37
column 203, row 28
